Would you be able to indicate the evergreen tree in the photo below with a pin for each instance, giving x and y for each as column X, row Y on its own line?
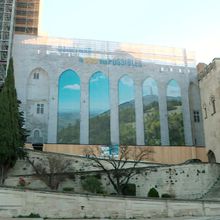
column 12, row 133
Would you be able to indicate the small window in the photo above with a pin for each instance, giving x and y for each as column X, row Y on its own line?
column 180, row 70
column 161, row 69
column 171, row 69
column 36, row 75
column 205, row 111
column 40, row 108
column 196, row 116
column 212, row 102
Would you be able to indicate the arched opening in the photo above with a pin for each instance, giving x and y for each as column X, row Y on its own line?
column 127, row 127
column 175, row 115
column 68, row 129
column 99, row 109
column 37, row 137
column 151, row 112
column 211, row 157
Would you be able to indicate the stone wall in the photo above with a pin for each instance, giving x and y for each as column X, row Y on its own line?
column 59, row 205
column 180, row 181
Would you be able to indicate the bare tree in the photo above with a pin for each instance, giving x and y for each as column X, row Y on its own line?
column 51, row 170
column 121, row 168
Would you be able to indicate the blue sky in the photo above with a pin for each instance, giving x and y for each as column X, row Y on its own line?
column 69, row 92
column 98, row 94
column 181, row 23
column 125, row 89
column 150, row 87
column 173, row 89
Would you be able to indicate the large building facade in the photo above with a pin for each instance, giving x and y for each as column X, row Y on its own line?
column 209, row 84
column 96, row 92
column 79, row 92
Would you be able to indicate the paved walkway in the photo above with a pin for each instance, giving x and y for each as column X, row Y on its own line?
column 180, row 218
column 190, row 218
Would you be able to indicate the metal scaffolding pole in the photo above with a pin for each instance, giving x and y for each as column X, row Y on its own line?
column 7, row 10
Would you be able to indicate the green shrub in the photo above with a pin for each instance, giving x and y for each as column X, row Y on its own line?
column 129, row 189
column 166, row 195
column 153, row 193
column 92, row 184
column 32, row 215
column 68, row 189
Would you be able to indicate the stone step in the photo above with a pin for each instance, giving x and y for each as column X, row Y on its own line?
column 6, row 218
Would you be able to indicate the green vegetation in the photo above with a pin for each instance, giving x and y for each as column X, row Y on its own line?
column 99, row 125
column 69, row 134
column 127, row 133
column 99, row 129
column 153, row 193
column 129, row 189
column 152, row 124
column 166, row 195
column 32, row 215
column 68, row 189
column 12, row 132
column 92, row 184
column 175, row 122
column 172, row 104
column 176, row 129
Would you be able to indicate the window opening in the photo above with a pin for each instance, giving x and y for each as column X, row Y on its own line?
column 40, row 108
column 196, row 116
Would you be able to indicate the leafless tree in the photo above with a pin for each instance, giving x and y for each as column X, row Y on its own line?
column 51, row 170
column 121, row 168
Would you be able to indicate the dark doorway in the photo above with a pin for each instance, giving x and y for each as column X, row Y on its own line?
column 211, row 157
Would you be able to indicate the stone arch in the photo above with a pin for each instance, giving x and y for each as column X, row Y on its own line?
column 177, row 82
column 211, row 156
column 99, row 109
column 69, row 92
column 151, row 112
column 66, row 70
column 175, row 113
column 98, row 72
column 127, row 123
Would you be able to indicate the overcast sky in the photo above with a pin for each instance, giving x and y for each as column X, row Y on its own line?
column 190, row 24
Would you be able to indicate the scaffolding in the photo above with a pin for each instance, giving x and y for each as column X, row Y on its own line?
column 7, row 8
column 97, row 49
column 27, row 17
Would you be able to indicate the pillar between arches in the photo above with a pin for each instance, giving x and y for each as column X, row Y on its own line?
column 139, row 114
column 164, row 130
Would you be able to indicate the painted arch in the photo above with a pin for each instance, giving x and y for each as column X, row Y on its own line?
column 175, row 114
column 99, row 109
column 68, row 131
column 127, row 124
column 151, row 113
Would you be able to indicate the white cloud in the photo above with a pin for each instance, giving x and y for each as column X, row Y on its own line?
column 97, row 77
column 72, row 87
column 126, row 80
